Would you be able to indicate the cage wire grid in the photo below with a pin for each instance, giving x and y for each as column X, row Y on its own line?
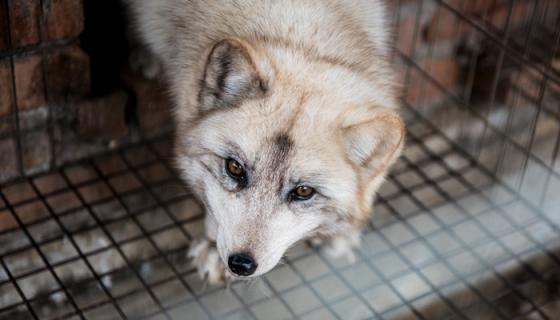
column 465, row 227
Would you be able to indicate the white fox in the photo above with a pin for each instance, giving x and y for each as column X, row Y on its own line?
column 285, row 119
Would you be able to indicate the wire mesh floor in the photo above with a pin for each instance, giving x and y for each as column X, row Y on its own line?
column 106, row 239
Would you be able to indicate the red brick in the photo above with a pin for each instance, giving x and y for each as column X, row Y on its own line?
column 125, row 183
column 392, row 4
column 552, row 85
column 445, row 25
column 405, row 35
column 50, row 183
column 68, row 74
column 519, row 12
column 5, row 88
column 445, row 71
column 139, row 156
column 95, row 192
column 19, row 192
column 153, row 105
column 64, row 201
column 7, row 221
column 4, row 36
column 79, row 174
column 31, row 212
column 103, row 119
column 36, row 151
column 8, row 161
column 154, row 173
column 528, row 81
column 111, row 164
column 476, row 7
column 30, row 90
column 24, row 22
column 551, row 16
column 154, row 108
column 65, row 18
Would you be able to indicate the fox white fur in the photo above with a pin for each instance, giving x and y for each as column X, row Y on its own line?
column 299, row 92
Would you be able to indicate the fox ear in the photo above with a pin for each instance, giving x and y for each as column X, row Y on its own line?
column 374, row 140
column 230, row 76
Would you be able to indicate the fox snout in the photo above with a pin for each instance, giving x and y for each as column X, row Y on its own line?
column 242, row 264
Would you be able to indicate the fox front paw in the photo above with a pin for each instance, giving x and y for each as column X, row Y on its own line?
column 207, row 261
column 343, row 246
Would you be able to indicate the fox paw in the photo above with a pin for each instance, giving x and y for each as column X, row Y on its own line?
column 207, row 261
column 343, row 246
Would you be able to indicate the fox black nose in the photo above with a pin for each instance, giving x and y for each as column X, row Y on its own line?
column 242, row 264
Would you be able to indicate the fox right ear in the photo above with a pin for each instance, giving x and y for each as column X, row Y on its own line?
column 230, row 76
column 374, row 140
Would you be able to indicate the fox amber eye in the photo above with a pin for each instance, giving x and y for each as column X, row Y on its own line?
column 302, row 193
column 234, row 169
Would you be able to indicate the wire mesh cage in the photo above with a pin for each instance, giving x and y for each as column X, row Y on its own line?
column 466, row 226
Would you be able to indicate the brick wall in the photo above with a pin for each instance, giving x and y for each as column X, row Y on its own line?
column 65, row 89
column 432, row 34
column 486, row 73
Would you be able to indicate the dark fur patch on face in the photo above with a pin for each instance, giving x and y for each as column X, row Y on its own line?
column 282, row 147
column 272, row 167
column 283, row 143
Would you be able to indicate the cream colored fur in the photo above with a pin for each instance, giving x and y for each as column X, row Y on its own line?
column 323, row 80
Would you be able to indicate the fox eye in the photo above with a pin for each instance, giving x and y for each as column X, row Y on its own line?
column 301, row 193
column 235, row 170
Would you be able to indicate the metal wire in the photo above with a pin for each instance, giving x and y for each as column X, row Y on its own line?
column 465, row 226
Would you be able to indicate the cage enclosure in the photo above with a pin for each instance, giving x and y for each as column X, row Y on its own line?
column 94, row 223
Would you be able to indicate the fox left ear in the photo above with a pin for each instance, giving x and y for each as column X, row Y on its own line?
column 374, row 139
column 231, row 75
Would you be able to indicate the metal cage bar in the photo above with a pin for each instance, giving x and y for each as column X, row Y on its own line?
column 464, row 227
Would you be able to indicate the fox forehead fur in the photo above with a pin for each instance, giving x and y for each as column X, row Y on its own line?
column 298, row 92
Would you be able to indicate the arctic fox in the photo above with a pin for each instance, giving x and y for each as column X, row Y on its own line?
column 286, row 119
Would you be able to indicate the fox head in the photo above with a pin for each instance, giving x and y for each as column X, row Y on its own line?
column 284, row 146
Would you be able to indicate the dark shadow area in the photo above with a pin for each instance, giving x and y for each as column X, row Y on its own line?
column 104, row 39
